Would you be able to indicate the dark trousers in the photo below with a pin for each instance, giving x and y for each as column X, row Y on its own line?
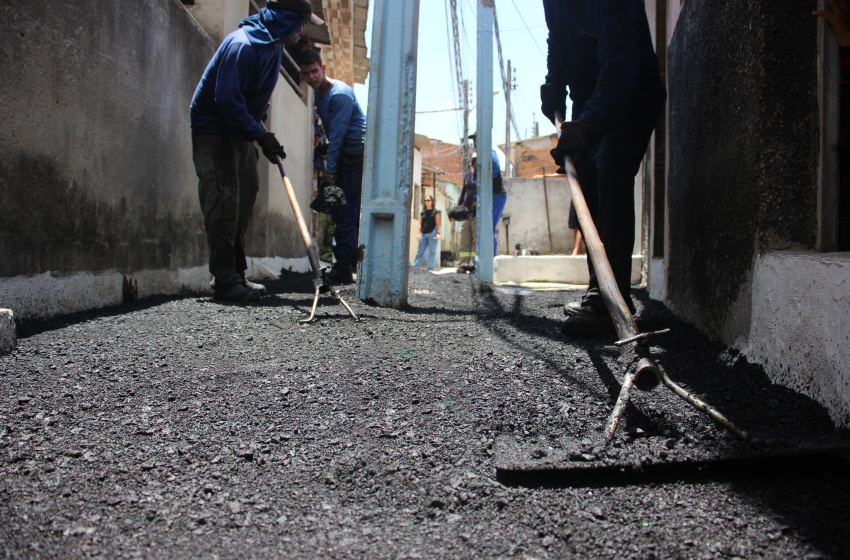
column 347, row 219
column 607, row 178
column 227, row 187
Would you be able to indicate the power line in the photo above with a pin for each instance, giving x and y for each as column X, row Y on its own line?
column 505, row 84
column 528, row 28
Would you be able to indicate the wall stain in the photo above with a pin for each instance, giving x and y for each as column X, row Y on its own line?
column 52, row 222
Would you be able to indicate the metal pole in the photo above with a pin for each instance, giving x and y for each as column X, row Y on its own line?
column 465, row 140
column 548, row 221
column 484, row 142
column 388, row 166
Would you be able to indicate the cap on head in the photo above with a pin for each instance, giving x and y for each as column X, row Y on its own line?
column 300, row 7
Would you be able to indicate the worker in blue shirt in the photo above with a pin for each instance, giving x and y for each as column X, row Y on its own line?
column 227, row 114
column 345, row 125
column 500, row 195
column 602, row 52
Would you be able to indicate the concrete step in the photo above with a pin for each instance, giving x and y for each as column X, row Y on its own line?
column 561, row 269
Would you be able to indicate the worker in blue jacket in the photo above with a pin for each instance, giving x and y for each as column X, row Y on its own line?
column 227, row 114
column 602, row 52
column 345, row 124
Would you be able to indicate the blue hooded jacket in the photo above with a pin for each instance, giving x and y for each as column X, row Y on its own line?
column 602, row 51
column 233, row 94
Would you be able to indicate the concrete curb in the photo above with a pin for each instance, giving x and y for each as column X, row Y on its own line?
column 8, row 340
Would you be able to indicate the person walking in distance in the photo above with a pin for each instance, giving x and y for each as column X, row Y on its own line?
column 429, row 233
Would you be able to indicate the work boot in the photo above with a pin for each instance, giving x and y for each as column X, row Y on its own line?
column 339, row 276
column 248, row 284
column 237, row 293
column 253, row 285
column 588, row 321
column 574, row 307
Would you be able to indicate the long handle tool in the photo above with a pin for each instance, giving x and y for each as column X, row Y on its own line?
column 320, row 279
column 647, row 374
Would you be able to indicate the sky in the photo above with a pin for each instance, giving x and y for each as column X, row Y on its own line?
column 523, row 33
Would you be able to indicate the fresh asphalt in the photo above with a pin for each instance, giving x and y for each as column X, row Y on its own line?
column 186, row 428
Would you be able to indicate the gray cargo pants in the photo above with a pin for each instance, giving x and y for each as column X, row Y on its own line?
column 227, row 187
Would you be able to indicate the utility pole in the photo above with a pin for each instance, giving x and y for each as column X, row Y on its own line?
column 484, row 141
column 465, row 141
column 388, row 167
column 508, row 126
column 462, row 85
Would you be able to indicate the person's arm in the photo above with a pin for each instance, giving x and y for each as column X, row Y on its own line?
column 341, row 107
column 437, row 221
column 553, row 93
column 839, row 20
column 234, row 75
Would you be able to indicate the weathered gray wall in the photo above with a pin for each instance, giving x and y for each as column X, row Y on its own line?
column 95, row 168
column 743, row 145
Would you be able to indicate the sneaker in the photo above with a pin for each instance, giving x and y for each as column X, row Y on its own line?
column 237, row 293
column 588, row 322
column 339, row 276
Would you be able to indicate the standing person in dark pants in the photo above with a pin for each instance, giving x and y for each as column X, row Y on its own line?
column 466, row 249
column 345, row 124
column 227, row 113
column 602, row 51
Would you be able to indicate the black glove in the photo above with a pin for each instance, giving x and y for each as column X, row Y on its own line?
column 554, row 99
column 576, row 138
column 271, row 147
column 328, row 179
column 320, row 151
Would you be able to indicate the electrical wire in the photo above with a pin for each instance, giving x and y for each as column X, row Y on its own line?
column 536, row 44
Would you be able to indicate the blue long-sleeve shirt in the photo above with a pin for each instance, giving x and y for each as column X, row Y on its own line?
column 233, row 95
column 345, row 125
column 602, row 51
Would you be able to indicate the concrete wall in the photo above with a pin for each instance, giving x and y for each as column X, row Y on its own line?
column 743, row 143
column 97, row 186
column 526, row 205
column 800, row 328
column 743, row 191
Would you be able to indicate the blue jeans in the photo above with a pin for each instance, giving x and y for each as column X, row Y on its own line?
column 499, row 201
column 426, row 241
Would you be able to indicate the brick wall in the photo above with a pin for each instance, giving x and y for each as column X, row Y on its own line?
column 532, row 156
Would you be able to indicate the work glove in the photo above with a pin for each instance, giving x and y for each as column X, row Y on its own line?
column 576, row 138
column 330, row 196
column 553, row 100
column 320, row 151
column 270, row 146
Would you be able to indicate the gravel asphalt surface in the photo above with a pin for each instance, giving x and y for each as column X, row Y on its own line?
column 186, row 428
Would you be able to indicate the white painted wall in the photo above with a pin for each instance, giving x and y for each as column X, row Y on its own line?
column 800, row 326
column 527, row 205
column 219, row 17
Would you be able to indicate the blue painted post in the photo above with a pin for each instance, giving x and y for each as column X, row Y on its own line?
column 388, row 166
column 484, row 142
